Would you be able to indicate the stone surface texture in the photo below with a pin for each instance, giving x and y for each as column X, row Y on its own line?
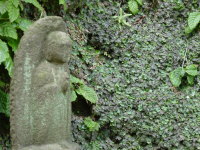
column 40, row 103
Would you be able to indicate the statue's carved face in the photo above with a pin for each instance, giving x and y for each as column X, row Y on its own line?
column 59, row 46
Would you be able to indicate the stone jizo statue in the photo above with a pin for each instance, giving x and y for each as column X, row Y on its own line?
column 40, row 96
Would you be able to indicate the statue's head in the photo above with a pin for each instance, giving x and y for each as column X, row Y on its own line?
column 58, row 47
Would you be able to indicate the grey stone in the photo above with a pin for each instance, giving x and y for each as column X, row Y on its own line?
column 40, row 94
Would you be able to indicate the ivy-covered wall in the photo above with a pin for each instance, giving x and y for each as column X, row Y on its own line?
column 129, row 67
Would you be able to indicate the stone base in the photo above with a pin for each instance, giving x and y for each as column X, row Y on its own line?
column 61, row 146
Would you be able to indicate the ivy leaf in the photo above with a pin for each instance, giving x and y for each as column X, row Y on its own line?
column 88, row 93
column 176, row 76
column 23, row 24
column 133, row 6
column 4, row 103
column 9, row 31
column 190, row 79
column 92, row 125
column 14, row 44
column 193, row 20
column 192, row 70
column 3, row 7
column 139, row 2
column 35, row 3
column 73, row 96
column 13, row 11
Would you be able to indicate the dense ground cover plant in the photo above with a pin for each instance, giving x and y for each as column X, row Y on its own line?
column 139, row 108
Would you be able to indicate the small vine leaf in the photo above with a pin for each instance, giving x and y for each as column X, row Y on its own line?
column 73, row 96
column 190, row 79
column 193, row 20
column 88, row 93
column 139, row 2
column 176, row 76
column 133, row 6
column 192, row 70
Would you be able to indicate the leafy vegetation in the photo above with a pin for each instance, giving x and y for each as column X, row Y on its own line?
column 193, row 21
column 78, row 87
column 134, row 6
column 177, row 75
column 92, row 126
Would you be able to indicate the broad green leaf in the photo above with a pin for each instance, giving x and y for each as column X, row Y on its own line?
column 139, row 2
column 176, row 76
column 4, row 103
column 35, row 3
column 73, row 96
column 15, row 2
column 133, row 6
column 13, row 11
column 3, row 6
column 88, row 93
column 190, row 79
column 188, row 30
column 23, row 24
column 75, row 80
column 3, row 51
column 14, row 44
column 193, row 20
column 92, row 125
column 9, row 30
column 192, row 70
column 8, row 63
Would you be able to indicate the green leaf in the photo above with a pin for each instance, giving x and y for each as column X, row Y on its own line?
column 9, row 30
column 3, row 6
column 190, row 79
column 13, row 11
column 192, row 70
column 73, row 96
column 35, row 3
column 188, row 30
column 23, row 24
column 2, row 84
column 14, row 44
column 193, row 20
column 92, row 125
column 176, row 76
column 15, row 2
column 8, row 63
column 3, row 51
column 4, row 103
column 139, row 2
column 88, row 93
column 133, row 6
column 75, row 80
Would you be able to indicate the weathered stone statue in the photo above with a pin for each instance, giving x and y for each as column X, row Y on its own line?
column 40, row 102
